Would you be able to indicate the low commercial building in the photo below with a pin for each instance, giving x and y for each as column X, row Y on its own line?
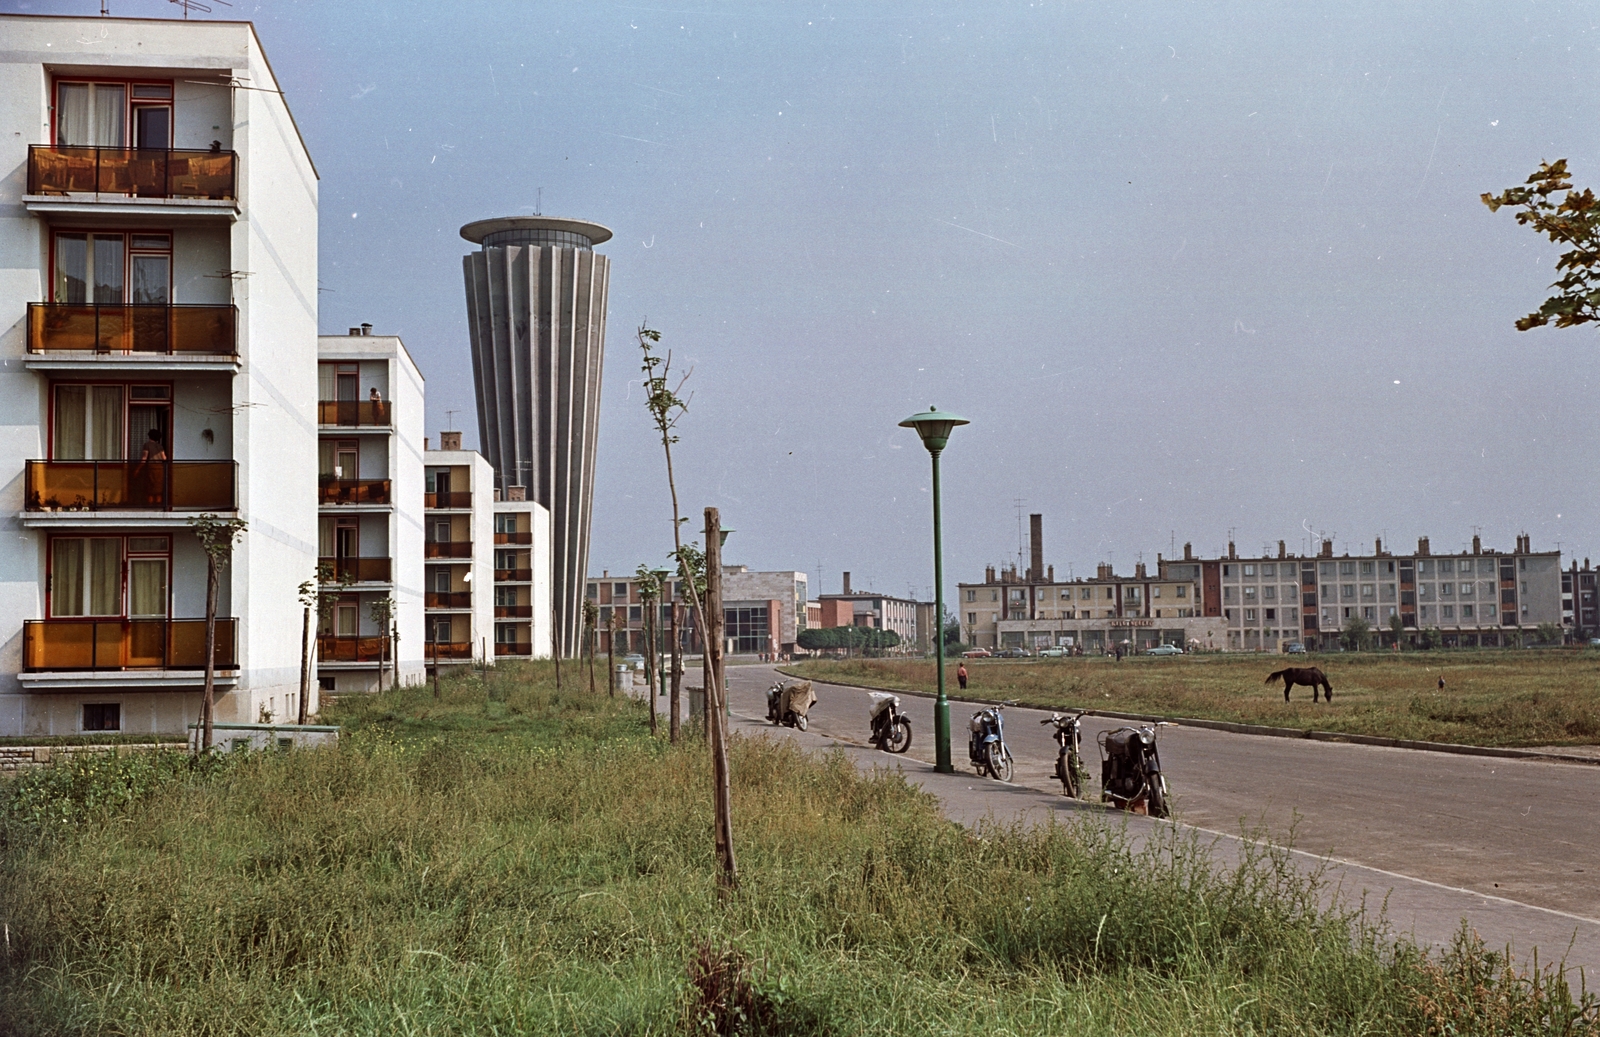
column 763, row 612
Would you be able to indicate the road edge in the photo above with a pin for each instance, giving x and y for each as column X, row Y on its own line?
column 1276, row 732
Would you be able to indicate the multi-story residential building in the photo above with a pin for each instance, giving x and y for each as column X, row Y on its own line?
column 1578, row 607
column 522, row 617
column 369, row 530
column 159, row 256
column 853, row 607
column 458, row 542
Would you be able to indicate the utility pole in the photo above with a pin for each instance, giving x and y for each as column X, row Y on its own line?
column 716, row 703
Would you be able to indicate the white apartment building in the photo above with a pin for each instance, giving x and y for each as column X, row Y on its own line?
column 369, row 498
column 458, row 542
column 523, row 622
column 158, row 287
column 1008, row 610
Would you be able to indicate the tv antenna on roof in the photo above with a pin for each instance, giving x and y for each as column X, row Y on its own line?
column 538, row 203
column 450, row 419
column 187, row 5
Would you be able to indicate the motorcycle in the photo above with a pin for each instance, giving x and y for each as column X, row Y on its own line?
column 986, row 745
column 1070, row 770
column 891, row 729
column 788, row 704
column 1130, row 770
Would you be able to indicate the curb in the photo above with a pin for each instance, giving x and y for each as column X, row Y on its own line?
column 1278, row 732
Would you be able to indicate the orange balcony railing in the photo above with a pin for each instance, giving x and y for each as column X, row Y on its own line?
column 455, row 499
column 512, row 575
column 447, row 549
column 355, row 412
column 125, row 644
column 510, row 648
column 524, row 537
column 134, row 172
column 447, row 600
column 447, row 650
column 132, row 485
column 188, row 330
column 353, row 491
column 513, row 611
column 334, row 649
column 356, row 570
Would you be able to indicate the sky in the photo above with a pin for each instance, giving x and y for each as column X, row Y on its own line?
column 1195, row 272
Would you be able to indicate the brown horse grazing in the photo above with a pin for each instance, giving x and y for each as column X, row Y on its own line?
column 1306, row 677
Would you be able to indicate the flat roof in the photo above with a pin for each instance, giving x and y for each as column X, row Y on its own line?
column 476, row 231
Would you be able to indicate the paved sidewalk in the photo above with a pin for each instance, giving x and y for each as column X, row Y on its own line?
column 1428, row 910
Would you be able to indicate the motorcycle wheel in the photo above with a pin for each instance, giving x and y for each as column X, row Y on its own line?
column 999, row 761
column 1157, row 803
column 1068, row 768
column 800, row 721
column 899, row 737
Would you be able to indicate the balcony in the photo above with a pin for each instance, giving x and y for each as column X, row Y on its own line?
column 88, row 645
column 513, row 575
column 456, row 499
column 356, row 570
column 132, row 173
column 448, row 650
column 508, row 648
column 525, row 537
column 447, row 549
column 335, row 649
column 354, row 413
column 132, row 486
column 447, row 600
column 188, row 331
column 353, row 491
column 513, row 612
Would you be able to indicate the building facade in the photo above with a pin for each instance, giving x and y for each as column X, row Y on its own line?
column 536, row 314
column 369, row 499
column 763, row 612
column 858, row 608
column 522, row 618
column 458, row 553
column 159, row 291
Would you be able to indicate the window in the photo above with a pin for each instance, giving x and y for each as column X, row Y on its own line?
column 102, row 716
column 1424, row 612
column 101, row 114
column 505, row 522
column 747, row 628
column 1327, row 569
column 1016, row 595
column 1328, row 593
column 1366, row 568
column 1228, row 614
column 504, row 556
column 1446, row 565
column 1368, row 591
column 1250, row 595
column 1447, row 611
column 86, row 576
column 1347, row 568
column 1348, row 612
column 971, row 596
column 1327, row 616
column 1368, row 612
column 1250, row 615
column 1227, row 570
column 1228, row 593
column 1347, row 591
column 505, row 597
column 1447, row 590
column 1249, row 570
column 1269, row 570
column 1388, row 591
column 635, row 615
column 1183, row 592
column 1155, row 592
column 972, row 620
column 1466, row 590
column 1466, row 611
column 1086, row 594
column 1269, row 594
column 619, row 592
column 1272, row 615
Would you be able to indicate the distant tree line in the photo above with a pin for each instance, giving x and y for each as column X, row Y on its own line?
column 866, row 639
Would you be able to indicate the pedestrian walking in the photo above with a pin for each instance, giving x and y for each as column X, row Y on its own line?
column 1441, row 682
column 961, row 676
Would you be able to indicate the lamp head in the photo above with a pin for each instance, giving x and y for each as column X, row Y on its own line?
column 723, row 539
column 934, row 426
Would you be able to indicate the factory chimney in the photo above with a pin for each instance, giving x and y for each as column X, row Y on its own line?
column 1035, row 548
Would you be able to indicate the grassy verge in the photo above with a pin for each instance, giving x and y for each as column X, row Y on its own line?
column 1509, row 698
column 510, row 860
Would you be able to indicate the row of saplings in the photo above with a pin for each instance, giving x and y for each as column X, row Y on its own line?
column 1130, row 765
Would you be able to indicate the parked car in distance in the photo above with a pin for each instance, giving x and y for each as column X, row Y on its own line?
column 633, row 662
column 1296, row 649
column 976, row 653
column 1053, row 653
column 1594, row 642
column 1164, row 650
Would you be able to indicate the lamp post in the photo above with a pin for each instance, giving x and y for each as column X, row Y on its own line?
column 934, row 426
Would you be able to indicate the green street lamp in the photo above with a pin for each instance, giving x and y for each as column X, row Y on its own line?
column 934, row 426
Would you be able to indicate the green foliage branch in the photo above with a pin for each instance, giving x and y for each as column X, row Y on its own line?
column 1572, row 221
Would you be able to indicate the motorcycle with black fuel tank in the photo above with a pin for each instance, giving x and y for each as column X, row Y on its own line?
column 891, row 729
column 1130, row 770
column 1068, row 734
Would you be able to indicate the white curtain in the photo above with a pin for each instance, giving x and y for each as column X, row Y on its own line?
column 108, row 114
column 147, row 587
column 72, row 114
column 325, row 537
column 107, row 422
column 327, row 375
column 105, row 576
column 108, row 268
column 72, row 269
column 66, row 577
column 71, row 420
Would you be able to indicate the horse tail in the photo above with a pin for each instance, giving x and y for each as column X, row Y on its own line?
column 1274, row 676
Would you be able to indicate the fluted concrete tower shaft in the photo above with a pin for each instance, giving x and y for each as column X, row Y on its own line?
column 536, row 311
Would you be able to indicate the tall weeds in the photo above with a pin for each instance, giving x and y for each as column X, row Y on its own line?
column 492, row 876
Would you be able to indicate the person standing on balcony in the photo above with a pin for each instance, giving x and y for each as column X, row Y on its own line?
column 150, row 478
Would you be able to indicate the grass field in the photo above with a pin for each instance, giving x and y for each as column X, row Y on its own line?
column 513, row 860
column 1499, row 698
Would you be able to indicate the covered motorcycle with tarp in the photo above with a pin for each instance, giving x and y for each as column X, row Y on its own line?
column 794, row 702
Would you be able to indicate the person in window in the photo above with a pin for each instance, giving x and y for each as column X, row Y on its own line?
column 150, row 477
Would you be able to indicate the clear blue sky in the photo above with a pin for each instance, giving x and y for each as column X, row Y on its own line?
column 1189, row 268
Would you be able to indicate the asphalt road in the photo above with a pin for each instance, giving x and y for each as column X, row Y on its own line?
column 1511, row 845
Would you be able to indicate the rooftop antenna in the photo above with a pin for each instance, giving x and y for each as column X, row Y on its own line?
column 538, row 205
column 186, row 5
column 1019, row 502
column 450, row 419
column 105, row 12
